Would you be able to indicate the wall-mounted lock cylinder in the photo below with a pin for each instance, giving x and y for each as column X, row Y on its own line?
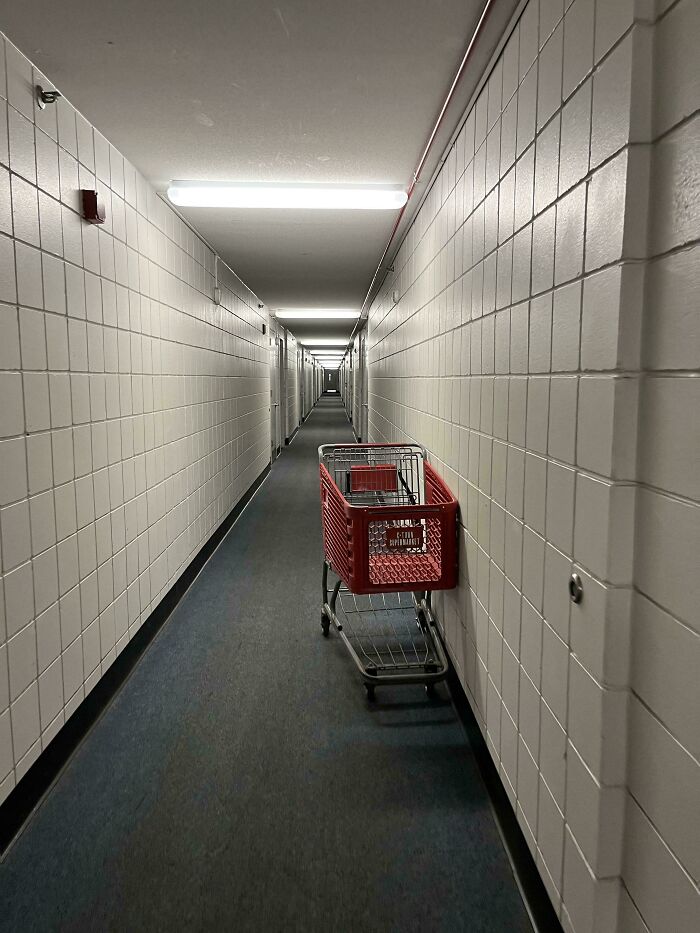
column 575, row 588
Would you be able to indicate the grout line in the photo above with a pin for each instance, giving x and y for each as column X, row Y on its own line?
column 655, row 715
column 644, row 928
column 666, row 611
column 664, row 843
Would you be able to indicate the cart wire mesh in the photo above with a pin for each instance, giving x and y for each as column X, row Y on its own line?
column 386, row 633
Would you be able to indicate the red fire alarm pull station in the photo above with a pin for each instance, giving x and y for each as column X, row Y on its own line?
column 93, row 208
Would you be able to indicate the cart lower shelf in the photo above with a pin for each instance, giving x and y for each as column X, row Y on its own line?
column 392, row 637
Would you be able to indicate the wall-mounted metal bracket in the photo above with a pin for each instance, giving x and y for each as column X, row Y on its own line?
column 46, row 97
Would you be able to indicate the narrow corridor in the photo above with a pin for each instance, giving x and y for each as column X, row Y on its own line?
column 240, row 780
column 476, row 225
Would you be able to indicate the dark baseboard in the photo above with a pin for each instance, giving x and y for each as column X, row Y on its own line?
column 288, row 440
column 532, row 889
column 25, row 797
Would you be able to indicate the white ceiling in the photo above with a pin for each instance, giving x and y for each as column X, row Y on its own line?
column 291, row 90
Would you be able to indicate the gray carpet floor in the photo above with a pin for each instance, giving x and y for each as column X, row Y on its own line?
column 241, row 781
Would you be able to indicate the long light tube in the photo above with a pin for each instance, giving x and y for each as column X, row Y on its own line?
column 297, row 196
column 313, row 314
column 324, row 342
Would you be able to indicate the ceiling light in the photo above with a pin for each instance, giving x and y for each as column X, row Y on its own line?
column 321, row 342
column 313, row 314
column 299, row 196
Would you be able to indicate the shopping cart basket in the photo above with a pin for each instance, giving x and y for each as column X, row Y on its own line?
column 389, row 534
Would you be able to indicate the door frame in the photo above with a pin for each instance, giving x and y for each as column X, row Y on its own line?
column 274, row 397
column 364, row 389
column 281, row 409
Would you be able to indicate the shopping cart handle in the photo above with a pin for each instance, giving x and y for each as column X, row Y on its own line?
column 326, row 447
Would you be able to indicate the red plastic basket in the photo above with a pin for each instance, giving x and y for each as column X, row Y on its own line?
column 389, row 547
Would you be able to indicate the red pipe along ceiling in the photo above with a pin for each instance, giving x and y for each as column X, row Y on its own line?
column 428, row 146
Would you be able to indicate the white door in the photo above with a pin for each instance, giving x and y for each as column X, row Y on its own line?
column 281, row 393
column 274, row 397
column 364, row 393
column 301, row 385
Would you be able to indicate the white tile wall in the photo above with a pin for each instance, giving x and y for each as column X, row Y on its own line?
column 515, row 354
column 134, row 410
column 662, row 851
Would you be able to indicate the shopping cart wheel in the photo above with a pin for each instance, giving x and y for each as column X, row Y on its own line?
column 430, row 690
column 370, row 691
column 325, row 624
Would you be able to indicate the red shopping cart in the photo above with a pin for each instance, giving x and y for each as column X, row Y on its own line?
column 389, row 534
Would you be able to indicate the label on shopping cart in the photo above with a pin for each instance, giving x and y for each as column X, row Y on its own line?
column 404, row 537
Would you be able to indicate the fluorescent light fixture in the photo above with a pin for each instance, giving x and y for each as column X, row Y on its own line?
column 321, row 342
column 317, row 314
column 298, row 196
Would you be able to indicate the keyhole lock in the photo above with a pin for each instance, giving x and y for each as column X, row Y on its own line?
column 575, row 588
